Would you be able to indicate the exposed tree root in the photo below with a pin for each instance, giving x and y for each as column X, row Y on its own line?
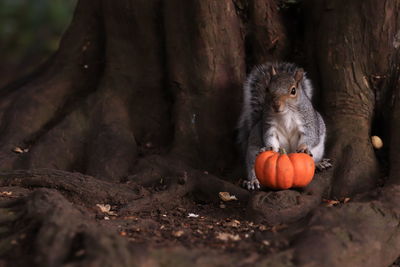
column 30, row 111
column 47, row 230
column 175, row 180
column 78, row 187
column 355, row 234
column 286, row 206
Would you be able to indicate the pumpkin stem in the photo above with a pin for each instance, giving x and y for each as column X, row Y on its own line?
column 282, row 151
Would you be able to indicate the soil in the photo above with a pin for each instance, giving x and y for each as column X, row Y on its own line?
column 187, row 224
column 219, row 227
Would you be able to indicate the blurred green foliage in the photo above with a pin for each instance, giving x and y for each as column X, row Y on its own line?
column 32, row 28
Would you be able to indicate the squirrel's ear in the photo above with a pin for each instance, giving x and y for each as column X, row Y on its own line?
column 298, row 76
column 273, row 71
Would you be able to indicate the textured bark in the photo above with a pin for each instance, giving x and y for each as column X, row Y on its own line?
column 53, row 242
column 267, row 35
column 394, row 128
column 81, row 188
column 138, row 109
column 352, row 44
column 277, row 207
column 205, row 76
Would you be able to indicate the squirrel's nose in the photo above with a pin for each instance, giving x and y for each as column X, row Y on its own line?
column 277, row 106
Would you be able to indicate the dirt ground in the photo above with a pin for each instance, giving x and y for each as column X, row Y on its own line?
column 189, row 225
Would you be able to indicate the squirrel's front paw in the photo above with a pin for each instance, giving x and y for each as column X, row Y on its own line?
column 324, row 164
column 303, row 148
column 268, row 148
column 263, row 149
column 251, row 184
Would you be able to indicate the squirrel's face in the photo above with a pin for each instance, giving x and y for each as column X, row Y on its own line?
column 284, row 90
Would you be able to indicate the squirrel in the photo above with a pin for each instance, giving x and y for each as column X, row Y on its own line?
column 277, row 112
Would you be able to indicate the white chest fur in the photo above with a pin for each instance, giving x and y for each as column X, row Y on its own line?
column 288, row 128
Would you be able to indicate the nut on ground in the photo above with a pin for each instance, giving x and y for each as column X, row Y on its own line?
column 376, row 142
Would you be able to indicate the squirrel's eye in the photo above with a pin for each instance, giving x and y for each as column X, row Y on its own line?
column 293, row 91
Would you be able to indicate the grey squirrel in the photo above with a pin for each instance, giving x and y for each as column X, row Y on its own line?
column 278, row 113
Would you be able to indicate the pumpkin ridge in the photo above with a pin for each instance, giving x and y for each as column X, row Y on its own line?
column 270, row 180
column 260, row 163
column 285, row 172
column 276, row 173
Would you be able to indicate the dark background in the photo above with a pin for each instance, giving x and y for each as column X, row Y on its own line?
column 29, row 32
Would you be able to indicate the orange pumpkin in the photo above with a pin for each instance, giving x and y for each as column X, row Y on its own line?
column 282, row 171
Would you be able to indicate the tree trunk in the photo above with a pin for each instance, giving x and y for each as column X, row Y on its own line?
column 138, row 109
column 352, row 47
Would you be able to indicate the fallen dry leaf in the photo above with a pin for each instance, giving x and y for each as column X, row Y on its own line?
column 234, row 224
column 18, row 150
column 277, row 228
column 262, row 228
column 227, row 237
column 133, row 218
column 106, row 208
column 266, row 242
column 331, row 202
column 225, row 196
column 6, row 193
column 346, row 199
column 178, row 233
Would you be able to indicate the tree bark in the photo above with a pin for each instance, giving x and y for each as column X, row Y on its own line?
column 352, row 45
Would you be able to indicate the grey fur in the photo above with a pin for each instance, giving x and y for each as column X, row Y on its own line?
column 261, row 128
